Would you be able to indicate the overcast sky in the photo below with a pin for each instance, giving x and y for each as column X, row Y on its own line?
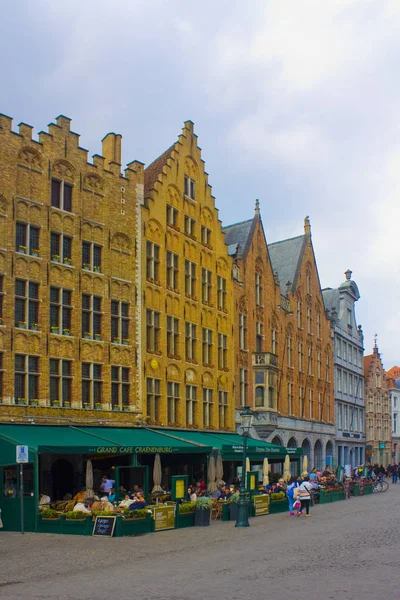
column 295, row 102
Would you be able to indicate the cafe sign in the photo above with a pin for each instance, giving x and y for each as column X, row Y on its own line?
column 134, row 450
column 164, row 517
column 261, row 504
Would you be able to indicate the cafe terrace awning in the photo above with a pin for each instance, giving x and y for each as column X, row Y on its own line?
column 91, row 440
column 231, row 445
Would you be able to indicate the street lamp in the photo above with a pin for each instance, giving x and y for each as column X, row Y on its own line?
column 246, row 421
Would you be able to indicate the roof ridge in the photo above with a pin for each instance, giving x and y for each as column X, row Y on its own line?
column 296, row 237
column 238, row 223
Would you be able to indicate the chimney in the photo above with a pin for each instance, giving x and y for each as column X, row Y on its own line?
column 111, row 149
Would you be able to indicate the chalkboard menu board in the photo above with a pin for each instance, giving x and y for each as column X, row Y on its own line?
column 104, row 526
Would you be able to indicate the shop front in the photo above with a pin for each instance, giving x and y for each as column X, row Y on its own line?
column 58, row 456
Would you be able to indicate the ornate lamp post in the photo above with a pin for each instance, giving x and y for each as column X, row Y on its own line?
column 246, row 421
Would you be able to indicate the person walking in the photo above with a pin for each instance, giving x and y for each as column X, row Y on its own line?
column 395, row 473
column 290, row 493
column 305, row 496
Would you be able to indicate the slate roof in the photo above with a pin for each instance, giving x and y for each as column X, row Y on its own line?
column 331, row 299
column 285, row 257
column 238, row 234
column 152, row 172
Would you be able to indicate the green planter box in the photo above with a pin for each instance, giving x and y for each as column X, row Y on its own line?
column 356, row 489
column 49, row 525
column 279, row 506
column 367, row 489
column 325, row 498
column 77, row 527
column 226, row 513
column 125, row 527
column 184, row 520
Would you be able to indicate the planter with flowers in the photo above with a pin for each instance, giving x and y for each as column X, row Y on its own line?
column 278, row 503
column 67, row 261
column 22, row 249
column 66, row 332
column 34, row 327
column 55, row 258
column 54, row 329
column 202, row 513
column 22, row 324
column 35, row 252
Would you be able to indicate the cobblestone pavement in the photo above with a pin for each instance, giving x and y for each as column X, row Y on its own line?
column 346, row 550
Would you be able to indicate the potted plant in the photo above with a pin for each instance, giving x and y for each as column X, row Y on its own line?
column 202, row 513
column 98, row 406
column 116, row 407
column 67, row 404
column 49, row 513
column 35, row 252
column 21, row 401
column 34, row 402
column 126, row 341
column 66, row 332
column 76, row 515
column 87, row 406
column 54, row 329
column 34, row 326
column 116, row 340
column 96, row 269
column 234, row 505
column 55, row 258
column 22, row 249
column 55, row 403
column 278, row 503
column 87, row 335
column 86, row 266
column 67, row 261
column 22, row 324
column 97, row 337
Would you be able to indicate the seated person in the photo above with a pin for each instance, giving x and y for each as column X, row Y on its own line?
column 126, row 502
column 111, row 495
column 106, row 505
column 44, row 501
column 313, row 476
column 138, row 502
column 82, row 507
column 224, row 493
column 137, row 490
column 80, row 496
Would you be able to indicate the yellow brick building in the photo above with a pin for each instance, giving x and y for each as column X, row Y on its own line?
column 187, row 301
column 68, row 277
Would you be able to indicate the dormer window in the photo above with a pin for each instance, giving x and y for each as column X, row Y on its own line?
column 190, row 186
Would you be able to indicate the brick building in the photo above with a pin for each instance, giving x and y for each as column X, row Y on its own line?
column 187, row 313
column 377, row 406
column 393, row 384
column 283, row 341
column 68, row 276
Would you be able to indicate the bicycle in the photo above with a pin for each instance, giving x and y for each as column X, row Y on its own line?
column 379, row 485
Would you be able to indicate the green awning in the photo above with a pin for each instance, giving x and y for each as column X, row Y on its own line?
column 231, row 445
column 91, row 440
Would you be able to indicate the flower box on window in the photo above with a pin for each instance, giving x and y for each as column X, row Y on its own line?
column 116, row 407
column 126, row 341
column 34, row 326
column 125, row 408
column 97, row 337
column 87, row 335
column 21, row 401
column 67, row 404
column 55, row 258
column 35, row 252
column 22, row 249
column 66, row 332
column 97, row 269
column 22, row 324
column 98, row 406
column 86, row 267
column 87, row 406
column 55, row 403
column 116, row 340
column 34, row 402
column 67, row 261
column 54, row 329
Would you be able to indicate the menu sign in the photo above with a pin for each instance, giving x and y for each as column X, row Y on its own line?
column 261, row 504
column 104, row 526
column 164, row 517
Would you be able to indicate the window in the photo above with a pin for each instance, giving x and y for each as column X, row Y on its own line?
column 274, row 341
column 190, row 226
column 290, row 398
column 310, row 361
column 190, row 341
column 60, row 310
column 259, row 396
column 350, row 388
column 119, row 387
column 222, row 351
column 92, row 384
column 206, row 285
column 207, row 346
column 243, row 387
column 172, row 216
column 349, row 317
column 344, row 348
column 318, row 321
column 60, row 248
column 378, row 380
column 328, row 367
column 223, row 408
column 152, row 261
column 172, row 401
column 119, row 322
column 355, row 386
column 172, row 336
column 319, row 406
column 309, row 320
column 259, row 290
column 27, row 238
column 339, row 380
column 345, row 417
column 340, row 416
column 61, row 195
column 221, row 290
column 153, row 395
column 91, row 316
column 26, row 378
column 60, row 382
column 191, row 392
column 190, row 279
column 242, row 331
column 272, row 395
column 2, row 294
column 189, row 187
column 91, row 256
column 207, row 404
column 172, row 270
column 308, row 280
column 300, row 355
column 350, row 354
column 259, row 336
column 26, row 304
column 289, row 342
column 205, row 236
column 310, row 404
column 319, row 364
column 338, row 348
column 299, row 314
column 153, row 330
column 301, row 400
